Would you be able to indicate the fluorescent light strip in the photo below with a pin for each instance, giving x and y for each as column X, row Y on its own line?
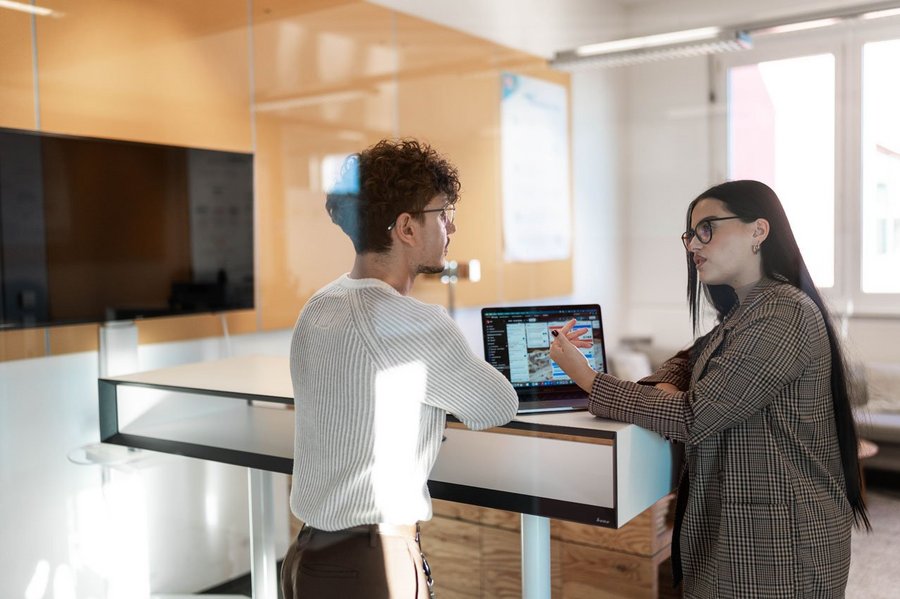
column 880, row 14
column 801, row 26
column 22, row 7
column 648, row 55
column 649, row 41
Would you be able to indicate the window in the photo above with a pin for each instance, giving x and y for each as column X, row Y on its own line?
column 781, row 132
column 881, row 168
column 814, row 115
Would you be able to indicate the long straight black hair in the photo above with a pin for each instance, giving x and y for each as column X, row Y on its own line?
column 782, row 261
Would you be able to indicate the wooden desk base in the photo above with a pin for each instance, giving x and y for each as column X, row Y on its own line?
column 475, row 552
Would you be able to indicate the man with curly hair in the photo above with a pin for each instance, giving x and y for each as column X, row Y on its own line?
column 375, row 373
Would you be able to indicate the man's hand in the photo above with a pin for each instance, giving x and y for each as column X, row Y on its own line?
column 564, row 352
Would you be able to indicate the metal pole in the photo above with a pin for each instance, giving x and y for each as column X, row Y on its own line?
column 263, row 577
column 535, row 557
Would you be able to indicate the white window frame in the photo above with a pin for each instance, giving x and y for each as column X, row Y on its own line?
column 845, row 42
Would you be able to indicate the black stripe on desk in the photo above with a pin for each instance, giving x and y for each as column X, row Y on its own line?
column 524, row 504
column 234, row 457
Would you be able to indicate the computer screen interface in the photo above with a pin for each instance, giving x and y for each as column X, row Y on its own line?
column 517, row 342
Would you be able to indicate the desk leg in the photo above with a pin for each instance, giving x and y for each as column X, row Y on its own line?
column 263, row 578
column 535, row 557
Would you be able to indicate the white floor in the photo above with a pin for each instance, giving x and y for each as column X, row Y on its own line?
column 873, row 570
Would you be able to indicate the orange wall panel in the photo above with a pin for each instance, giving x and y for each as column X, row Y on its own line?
column 324, row 89
column 166, row 71
column 240, row 322
column 179, row 328
column 16, row 71
column 330, row 77
column 454, row 104
column 21, row 344
column 74, row 338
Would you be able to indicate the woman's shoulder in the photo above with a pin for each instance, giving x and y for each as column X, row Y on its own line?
column 779, row 298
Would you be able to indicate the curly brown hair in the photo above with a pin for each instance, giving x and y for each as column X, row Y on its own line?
column 382, row 182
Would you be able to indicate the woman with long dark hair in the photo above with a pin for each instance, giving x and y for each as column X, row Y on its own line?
column 771, row 486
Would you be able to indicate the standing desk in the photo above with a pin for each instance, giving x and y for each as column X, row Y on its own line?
column 564, row 465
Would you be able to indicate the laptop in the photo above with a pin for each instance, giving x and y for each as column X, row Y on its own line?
column 517, row 343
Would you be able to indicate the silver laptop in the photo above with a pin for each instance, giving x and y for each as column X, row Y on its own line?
column 517, row 343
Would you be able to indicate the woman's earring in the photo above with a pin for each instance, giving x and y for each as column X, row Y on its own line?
column 755, row 248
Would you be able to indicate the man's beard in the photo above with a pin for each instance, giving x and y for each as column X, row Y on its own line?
column 425, row 269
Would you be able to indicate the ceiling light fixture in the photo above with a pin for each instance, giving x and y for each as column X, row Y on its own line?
column 709, row 40
column 652, row 48
column 649, row 41
column 880, row 14
column 22, row 7
column 800, row 26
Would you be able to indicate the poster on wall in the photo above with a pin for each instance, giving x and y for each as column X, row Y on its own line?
column 535, row 169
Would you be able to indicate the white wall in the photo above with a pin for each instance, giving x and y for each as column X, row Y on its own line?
column 668, row 165
column 641, row 154
column 598, row 136
column 151, row 523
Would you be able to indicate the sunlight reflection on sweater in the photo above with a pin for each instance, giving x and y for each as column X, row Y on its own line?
column 399, row 393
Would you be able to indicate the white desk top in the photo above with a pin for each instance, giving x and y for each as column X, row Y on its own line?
column 269, row 377
column 202, row 410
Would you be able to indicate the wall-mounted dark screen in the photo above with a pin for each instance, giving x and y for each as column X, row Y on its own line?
column 94, row 230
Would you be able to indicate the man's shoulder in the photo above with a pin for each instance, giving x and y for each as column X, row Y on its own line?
column 405, row 307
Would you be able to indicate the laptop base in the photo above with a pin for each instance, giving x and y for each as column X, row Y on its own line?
column 552, row 405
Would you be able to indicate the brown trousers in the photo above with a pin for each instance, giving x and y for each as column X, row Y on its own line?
column 375, row 562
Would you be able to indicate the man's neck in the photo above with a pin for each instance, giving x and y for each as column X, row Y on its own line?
column 384, row 267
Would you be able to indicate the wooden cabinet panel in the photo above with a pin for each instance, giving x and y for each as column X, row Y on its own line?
column 468, row 544
column 647, row 534
column 592, row 573
column 452, row 549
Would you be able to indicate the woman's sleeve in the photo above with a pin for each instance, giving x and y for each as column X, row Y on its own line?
column 765, row 354
column 675, row 371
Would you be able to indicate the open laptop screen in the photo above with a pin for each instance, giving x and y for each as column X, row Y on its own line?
column 517, row 342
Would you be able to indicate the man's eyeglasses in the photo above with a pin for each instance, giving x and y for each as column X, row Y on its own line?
column 448, row 214
column 703, row 231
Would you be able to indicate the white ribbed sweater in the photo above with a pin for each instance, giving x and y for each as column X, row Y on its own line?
column 374, row 375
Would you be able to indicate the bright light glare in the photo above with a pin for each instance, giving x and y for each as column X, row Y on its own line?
column 22, row 7
column 399, row 392
column 474, row 270
column 37, row 586
column 111, row 537
column 63, row 582
column 211, row 509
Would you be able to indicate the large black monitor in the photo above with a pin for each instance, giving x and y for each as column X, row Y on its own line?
column 93, row 230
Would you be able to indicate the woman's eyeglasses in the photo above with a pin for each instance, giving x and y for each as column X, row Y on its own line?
column 448, row 214
column 703, row 231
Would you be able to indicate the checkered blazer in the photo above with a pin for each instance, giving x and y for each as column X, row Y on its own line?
column 766, row 514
